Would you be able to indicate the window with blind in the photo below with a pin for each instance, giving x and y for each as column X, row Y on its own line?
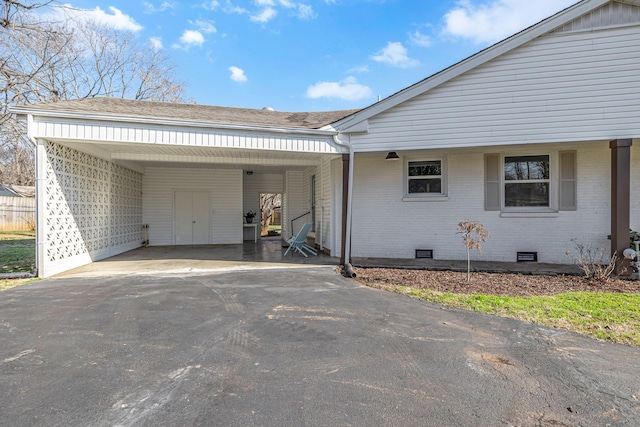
column 531, row 182
column 526, row 181
column 425, row 178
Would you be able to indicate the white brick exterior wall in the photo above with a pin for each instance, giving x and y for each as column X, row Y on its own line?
column 386, row 226
column 635, row 185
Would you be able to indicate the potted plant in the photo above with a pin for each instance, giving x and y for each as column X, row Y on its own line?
column 249, row 216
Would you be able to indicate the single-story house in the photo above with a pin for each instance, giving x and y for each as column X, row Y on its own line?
column 535, row 137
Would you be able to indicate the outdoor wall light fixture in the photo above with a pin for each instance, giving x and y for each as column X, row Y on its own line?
column 249, row 172
column 392, row 155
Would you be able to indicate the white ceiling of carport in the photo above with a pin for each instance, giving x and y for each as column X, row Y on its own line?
column 172, row 156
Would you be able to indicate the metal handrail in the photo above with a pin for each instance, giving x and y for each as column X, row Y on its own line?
column 296, row 218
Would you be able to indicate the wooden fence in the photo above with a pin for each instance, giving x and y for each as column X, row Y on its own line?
column 17, row 213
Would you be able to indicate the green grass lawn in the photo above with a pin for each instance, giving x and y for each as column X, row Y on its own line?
column 17, row 251
column 612, row 317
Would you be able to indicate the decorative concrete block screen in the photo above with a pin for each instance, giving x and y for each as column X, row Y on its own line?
column 93, row 208
column 126, row 206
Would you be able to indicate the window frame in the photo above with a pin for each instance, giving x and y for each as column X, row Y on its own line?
column 552, row 181
column 441, row 196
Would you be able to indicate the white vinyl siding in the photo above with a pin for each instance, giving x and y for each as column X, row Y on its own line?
column 323, row 229
column 336, row 206
column 293, row 202
column 610, row 15
column 253, row 186
column 76, row 130
column 225, row 189
column 562, row 87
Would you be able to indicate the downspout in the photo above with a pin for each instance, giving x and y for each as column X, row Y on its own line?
column 348, row 270
column 38, row 211
column 321, row 228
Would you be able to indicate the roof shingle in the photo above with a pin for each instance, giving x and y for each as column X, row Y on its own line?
column 194, row 112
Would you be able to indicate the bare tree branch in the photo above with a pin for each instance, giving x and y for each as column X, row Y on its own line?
column 44, row 61
column 13, row 9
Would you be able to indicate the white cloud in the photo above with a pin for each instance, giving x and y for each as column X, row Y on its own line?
column 348, row 89
column 305, row 11
column 493, row 20
column 300, row 10
column 116, row 19
column 230, row 8
column 156, row 43
column 358, row 69
column 265, row 10
column 163, row 7
column 205, row 25
column 396, row 55
column 188, row 39
column 420, row 39
column 237, row 75
column 210, row 5
column 266, row 15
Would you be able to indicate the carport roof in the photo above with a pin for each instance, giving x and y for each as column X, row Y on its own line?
column 117, row 107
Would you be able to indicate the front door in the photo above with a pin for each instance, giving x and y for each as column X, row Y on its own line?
column 192, row 217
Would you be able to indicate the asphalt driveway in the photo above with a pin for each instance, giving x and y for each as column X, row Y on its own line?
column 290, row 347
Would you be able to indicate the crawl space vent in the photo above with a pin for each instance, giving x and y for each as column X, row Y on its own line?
column 424, row 253
column 527, row 257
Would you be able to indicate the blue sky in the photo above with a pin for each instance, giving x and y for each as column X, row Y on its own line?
column 314, row 55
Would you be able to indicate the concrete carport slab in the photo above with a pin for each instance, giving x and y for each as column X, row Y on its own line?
column 266, row 254
column 290, row 347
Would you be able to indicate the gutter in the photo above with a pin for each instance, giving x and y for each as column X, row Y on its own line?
column 347, row 236
column 170, row 122
column 30, row 136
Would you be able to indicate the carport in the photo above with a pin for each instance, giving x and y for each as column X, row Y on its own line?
column 109, row 171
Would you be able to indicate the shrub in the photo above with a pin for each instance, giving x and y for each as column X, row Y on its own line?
column 593, row 261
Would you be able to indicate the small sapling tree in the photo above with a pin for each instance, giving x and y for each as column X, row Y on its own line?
column 473, row 235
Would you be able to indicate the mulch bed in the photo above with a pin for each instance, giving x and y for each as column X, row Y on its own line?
column 506, row 284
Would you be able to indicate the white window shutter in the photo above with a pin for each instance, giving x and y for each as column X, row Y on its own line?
column 492, row 182
column 568, row 200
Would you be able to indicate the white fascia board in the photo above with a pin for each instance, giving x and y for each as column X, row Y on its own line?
column 167, row 122
column 361, row 127
column 492, row 52
column 479, row 146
